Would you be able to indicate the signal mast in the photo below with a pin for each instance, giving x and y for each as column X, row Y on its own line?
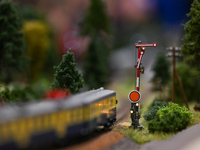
column 135, row 96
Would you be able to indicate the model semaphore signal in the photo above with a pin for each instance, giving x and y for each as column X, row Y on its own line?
column 135, row 96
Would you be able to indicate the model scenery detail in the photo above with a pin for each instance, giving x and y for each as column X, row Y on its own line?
column 40, row 123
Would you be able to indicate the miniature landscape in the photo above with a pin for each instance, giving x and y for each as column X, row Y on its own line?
column 44, row 60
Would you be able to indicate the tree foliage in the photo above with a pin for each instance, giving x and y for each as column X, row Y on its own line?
column 28, row 13
column 97, row 26
column 161, row 73
column 36, row 20
column 191, row 46
column 96, row 69
column 66, row 75
column 12, row 46
column 19, row 94
column 191, row 85
column 37, row 40
column 96, row 19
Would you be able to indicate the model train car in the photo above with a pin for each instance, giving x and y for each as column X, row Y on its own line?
column 39, row 123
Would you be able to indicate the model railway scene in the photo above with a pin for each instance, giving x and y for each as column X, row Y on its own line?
column 99, row 75
column 36, row 124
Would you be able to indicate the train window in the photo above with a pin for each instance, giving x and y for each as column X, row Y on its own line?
column 30, row 124
column 91, row 111
column 53, row 118
column 111, row 102
column 67, row 117
column 39, row 123
column 100, row 105
column 94, row 111
column 61, row 115
column 86, row 113
column 22, row 129
column 45, row 121
column 71, row 115
column 78, row 114
column 82, row 114
column 0, row 133
column 5, row 131
column 74, row 115
column 105, row 104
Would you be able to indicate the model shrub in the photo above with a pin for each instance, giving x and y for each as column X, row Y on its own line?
column 172, row 118
column 19, row 94
column 153, row 109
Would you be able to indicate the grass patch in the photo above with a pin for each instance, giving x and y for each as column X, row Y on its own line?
column 144, row 136
column 195, row 118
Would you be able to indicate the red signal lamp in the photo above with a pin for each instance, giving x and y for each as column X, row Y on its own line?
column 134, row 96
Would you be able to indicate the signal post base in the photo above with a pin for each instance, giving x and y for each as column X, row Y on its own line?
column 135, row 116
column 140, row 127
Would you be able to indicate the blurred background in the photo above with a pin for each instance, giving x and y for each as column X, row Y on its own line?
column 51, row 27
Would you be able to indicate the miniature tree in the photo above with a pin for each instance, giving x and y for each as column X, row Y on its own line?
column 191, row 47
column 96, row 19
column 12, row 46
column 39, row 34
column 191, row 85
column 161, row 73
column 36, row 36
column 95, row 69
column 66, row 75
column 97, row 26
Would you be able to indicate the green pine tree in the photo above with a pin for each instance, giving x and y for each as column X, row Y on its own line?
column 98, row 27
column 66, row 75
column 95, row 66
column 189, row 78
column 12, row 46
column 161, row 73
column 191, row 46
column 96, row 19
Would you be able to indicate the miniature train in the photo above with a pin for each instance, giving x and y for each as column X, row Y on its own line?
column 39, row 123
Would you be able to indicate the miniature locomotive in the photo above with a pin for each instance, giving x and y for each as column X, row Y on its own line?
column 39, row 123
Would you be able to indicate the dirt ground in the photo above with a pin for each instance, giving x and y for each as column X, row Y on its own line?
column 101, row 142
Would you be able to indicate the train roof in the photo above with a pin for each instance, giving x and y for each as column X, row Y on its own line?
column 85, row 98
column 10, row 112
column 99, row 95
column 39, row 108
column 76, row 100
